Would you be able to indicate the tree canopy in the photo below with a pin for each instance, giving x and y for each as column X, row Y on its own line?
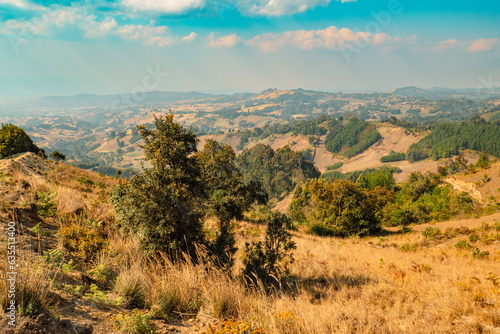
column 279, row 171
column 15, row 140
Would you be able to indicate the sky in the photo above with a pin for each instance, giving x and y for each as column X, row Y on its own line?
column 60, row 47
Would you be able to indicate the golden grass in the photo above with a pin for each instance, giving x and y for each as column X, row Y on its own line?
column 336, row 286
column 351, row 285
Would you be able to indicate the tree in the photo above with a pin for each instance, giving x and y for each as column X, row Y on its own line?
column 342, row 206
column 263, row 261
column 162, row 205
column 279, row 171
column 57, row 156
column 227, row 196
column 14, row 140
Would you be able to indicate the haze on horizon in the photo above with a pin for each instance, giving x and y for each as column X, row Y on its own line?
column 59, row 47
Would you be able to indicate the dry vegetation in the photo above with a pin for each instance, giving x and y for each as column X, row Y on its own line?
column 440, row 278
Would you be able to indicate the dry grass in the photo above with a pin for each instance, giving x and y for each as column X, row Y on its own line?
column 400, row 283
column 336, row 286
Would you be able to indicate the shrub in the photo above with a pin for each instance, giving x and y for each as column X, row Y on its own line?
column 233, row 327
column 477, row 254
column 57, row 156
column 344, row 205
column 46, row 207
column 14, row 140
column 463, row 245
column 136, row 322
column 263, row 260
column 431, row 232
column 82, row 243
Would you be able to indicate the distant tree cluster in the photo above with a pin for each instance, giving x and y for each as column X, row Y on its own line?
column 15, row 140
column 369, row 178
column 279, row 171
column 353, row 136
column 393, row 156
column 447, row 139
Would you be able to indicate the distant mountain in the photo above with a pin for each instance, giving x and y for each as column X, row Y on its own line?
column 437, row 93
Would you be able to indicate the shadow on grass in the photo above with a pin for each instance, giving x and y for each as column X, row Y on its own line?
column 318, row 287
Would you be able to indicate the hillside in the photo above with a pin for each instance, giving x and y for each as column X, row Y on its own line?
column 98, row 130
column 440, row 277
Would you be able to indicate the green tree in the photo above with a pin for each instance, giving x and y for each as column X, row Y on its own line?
column 14, row 140
column 227, row 196
column 342, row 206
column 279, row 171
column 57, row 156
column 162, row 204
column 264, row 260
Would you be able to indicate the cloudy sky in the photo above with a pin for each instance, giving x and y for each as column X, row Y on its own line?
column 59, row 47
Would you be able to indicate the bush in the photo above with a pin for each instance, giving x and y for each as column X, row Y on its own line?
column 136, row 322
column 431, row 232
column 57, row 156
column 341, row 205
column 82, row 243
column 14, row 140
column 263, row 260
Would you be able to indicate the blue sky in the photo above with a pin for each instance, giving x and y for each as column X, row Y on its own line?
column 64, row 47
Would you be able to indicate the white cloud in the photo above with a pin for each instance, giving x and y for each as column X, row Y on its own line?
column 449, row 44
column 22, row 4
column 189, row 38
column 226, row 41
column 277, row 7
column 330, row 38
column 164, row 6
column 97, row 29
column 150, row 35
column 56, row 20
column 482, row 44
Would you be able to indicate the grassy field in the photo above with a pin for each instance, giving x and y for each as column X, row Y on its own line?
column 433, row 278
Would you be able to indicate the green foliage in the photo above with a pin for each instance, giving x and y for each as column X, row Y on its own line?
column 136, row 322
column 279, row 171
column 368, row 138
column 227, row 196
column 343, row 207
column 393, row 156
column 46, row 206
column 483, row 160
column 100, row 298
column 82, row 242
column 335, row 166
column 431, row 232
column 478, row 254
column 424, row 198
column 263, row 261
column 14, row 140
column 463, row 245
column 85, row 181
column 354, row 136
column 447, row 139
column 163, row 204
column 57, row 156
column 368, row 178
